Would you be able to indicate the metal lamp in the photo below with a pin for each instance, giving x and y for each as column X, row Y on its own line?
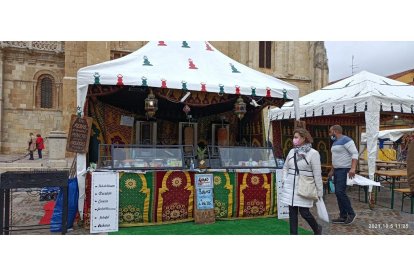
column 240, row 108
column 151, row 105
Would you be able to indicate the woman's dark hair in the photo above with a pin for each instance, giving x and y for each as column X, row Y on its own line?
column 304, row 134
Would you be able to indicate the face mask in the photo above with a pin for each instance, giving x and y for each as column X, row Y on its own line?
column 296, row 142
column 333, row 138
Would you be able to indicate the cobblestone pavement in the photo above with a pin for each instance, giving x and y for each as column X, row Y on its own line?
column 28, row 210
column 379, row 221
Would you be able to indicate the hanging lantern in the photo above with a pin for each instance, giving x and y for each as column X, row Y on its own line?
column 268, row 95
column 184, row 83
column 203, row 87
column 237, row 90
column 284, row 94
column 151, row 105
column 120, row 82
column 96, row 76
column 253, row 91
column 240, row 108
column 164, row 83
column 221, row 93
column 186, row 110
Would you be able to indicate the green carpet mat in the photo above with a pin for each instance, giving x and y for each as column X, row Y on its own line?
column 259, row 226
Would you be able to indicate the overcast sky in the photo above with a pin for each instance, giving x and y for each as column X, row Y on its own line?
column 379, row 57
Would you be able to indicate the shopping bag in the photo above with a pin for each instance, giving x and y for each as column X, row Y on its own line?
column 321, row 210
column 362, row 181
column 331, row 185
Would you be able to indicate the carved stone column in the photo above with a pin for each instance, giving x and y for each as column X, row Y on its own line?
column 57, row 147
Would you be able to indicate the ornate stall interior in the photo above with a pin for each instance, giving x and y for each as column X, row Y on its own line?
column 170, row 110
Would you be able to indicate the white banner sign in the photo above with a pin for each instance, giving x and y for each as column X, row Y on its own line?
column 127, row 121
column 282, row 209
column 104, row 202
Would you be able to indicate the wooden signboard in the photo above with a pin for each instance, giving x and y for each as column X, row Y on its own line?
column 79, row 134
column 300, row 124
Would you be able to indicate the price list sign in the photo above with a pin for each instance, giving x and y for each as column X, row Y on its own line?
column 204, row 190
column 204, row 211
column 104, row 202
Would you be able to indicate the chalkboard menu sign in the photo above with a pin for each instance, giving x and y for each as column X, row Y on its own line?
column 79, row 134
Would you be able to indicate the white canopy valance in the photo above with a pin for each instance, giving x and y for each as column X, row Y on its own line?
column 391, row 134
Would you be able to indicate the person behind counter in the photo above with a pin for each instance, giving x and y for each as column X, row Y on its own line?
column 308, row 163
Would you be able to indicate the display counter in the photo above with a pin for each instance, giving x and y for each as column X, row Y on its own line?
column 159, row 197
column 145, row 157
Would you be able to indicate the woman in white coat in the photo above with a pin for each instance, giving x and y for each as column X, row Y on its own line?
column 309, row 164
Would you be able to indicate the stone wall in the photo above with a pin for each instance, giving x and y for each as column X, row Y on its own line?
column 20, row 106
column 19, row 123
column 75, row 58
column 301, row 63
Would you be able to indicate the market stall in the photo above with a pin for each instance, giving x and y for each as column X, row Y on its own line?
column 364, row 99
column 158, row 112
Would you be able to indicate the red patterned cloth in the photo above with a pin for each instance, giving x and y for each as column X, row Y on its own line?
column 255, row 194
column 174, row 195
column 108, row 120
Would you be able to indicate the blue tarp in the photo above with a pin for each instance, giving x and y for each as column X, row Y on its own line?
column 73, row 193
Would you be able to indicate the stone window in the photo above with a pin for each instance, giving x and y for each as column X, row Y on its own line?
column 265, row 54
column 118, row 54
column 45, row 92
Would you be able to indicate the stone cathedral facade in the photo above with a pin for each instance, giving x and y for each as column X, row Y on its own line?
column 38, row 78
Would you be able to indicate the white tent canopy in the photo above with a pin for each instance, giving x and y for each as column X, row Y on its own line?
column 359, row 93
column 175, row 62
column 391, row 134
column 193, row 65
column 363, row 92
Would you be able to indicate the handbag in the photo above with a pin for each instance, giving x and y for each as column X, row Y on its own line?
column 306, row 184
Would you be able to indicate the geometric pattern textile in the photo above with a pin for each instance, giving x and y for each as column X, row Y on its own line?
column 108, row 120
column 256, row 194
column 224, row 194
column 168, row 197
column 135, row 200
column 174, row 196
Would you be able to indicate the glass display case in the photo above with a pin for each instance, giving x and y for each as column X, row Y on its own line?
column 246, row 158
column 142, row 157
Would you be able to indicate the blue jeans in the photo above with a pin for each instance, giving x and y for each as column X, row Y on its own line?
column 344, row 204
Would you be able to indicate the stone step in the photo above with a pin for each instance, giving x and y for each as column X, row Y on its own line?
column 26, row 165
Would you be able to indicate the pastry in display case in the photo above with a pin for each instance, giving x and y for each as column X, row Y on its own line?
column 143, row 157
column 247, row 157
